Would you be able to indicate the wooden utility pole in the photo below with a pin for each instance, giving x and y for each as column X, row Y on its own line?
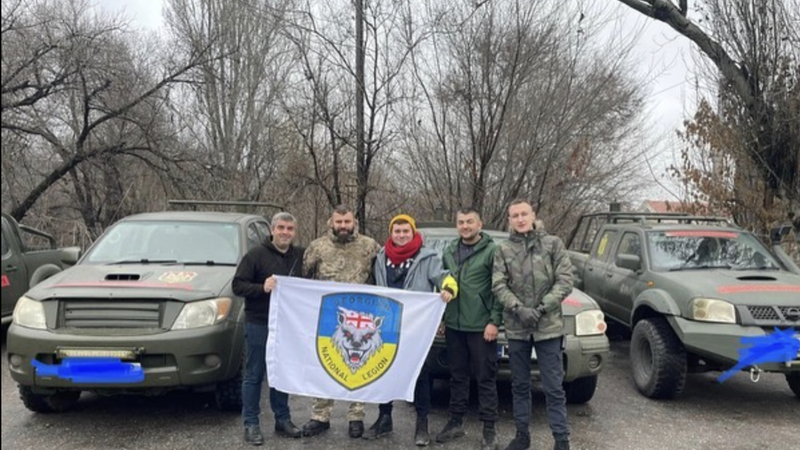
column 361, row 153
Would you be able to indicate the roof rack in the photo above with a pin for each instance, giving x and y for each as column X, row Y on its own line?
column 195, row 203
column 676, row 217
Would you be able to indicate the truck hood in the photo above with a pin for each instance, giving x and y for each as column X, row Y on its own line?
column 174, row 281
column 746, row 287
column 576, row 302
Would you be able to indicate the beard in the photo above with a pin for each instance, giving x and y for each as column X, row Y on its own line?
column 470, row 236
column 343, row 234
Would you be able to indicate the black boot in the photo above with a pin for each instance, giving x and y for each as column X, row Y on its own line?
column 489, row 441
column 381, row 427
column 454, row 429
column 522, row 441
column 288, row 429
column 561, row 445
column 315, row 427
column 356, row 429
column 421, row 436
column 252, row 435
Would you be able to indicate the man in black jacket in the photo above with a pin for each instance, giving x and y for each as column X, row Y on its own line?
column 254, row 280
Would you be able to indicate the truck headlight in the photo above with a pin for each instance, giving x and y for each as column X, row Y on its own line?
column 712, row 310
column 29, row 313
column 203, row 314
column 590, row 322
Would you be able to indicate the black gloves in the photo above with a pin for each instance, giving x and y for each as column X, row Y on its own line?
column 529, row 316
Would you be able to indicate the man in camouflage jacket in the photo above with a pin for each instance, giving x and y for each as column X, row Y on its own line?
column 345, row 256
column 532, row 274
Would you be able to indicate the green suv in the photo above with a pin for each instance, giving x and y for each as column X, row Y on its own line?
column 149, row 308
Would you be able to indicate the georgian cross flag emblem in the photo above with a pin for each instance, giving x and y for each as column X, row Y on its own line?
column 357, row 337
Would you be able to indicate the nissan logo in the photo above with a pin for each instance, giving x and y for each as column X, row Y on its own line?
column 792, row 314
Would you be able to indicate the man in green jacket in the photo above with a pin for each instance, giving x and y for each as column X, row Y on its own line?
column 532, row 276
column 472, row 323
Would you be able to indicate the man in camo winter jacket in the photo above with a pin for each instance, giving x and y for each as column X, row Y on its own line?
column 531, row 275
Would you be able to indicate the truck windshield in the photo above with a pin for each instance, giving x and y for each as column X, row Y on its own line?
column 708, row 249
column 167, row 242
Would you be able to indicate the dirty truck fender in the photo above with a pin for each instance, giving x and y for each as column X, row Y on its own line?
column 657, row 300
column 42, row 273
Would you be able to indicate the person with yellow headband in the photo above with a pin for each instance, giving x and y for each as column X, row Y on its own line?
column 404, row 263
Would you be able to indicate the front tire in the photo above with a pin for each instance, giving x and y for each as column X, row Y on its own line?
column 581, row 390
column 794, row 382
column 228, row 394
column 658, row 359
column 57, row 402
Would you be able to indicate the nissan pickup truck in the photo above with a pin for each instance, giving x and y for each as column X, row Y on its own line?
column 689, row 288
column 29, row 256
column 148, row 309
column 586, row 348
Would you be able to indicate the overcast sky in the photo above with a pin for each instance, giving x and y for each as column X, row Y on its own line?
column 665, row 63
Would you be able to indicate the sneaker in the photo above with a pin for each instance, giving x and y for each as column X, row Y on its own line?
column 356, row 429
column 454, row 429
column 522, row 441
column 252, row 435
column 421, row 436
column 381, row 427
column 315, row 427
column 287, row 429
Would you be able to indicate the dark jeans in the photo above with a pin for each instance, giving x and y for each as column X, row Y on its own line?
column 422, row 395
column 469, row 353
column 549, row 355
column 255, row 370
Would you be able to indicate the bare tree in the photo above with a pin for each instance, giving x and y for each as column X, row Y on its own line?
column 76, row 95
column 323, row 108
column 236, row 97
column 515, row 102
column 755, row 49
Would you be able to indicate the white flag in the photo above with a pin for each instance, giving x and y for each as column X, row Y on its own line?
column 349, row 341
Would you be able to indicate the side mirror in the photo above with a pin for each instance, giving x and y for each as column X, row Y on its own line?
column 630, row 262
column 776, row 234
column 70, row 255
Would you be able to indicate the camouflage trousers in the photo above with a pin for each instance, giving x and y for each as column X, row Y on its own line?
column 321, row 410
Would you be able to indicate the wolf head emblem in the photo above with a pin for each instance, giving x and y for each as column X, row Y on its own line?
column 357, row 337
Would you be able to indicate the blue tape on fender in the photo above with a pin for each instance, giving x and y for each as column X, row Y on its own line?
column 92, row 370
column 779, row 347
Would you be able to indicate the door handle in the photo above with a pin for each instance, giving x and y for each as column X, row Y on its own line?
column 609, row 275
column 11, row 268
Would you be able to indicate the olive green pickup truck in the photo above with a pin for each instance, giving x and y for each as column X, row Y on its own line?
column 690, row 288
column 149, row 308
column 29, row 256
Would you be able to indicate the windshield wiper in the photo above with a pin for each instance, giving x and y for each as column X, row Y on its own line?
column 207, row 263
column 143, row 261
column 701, row 267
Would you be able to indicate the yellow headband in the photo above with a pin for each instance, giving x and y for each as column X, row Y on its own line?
column 405, row 217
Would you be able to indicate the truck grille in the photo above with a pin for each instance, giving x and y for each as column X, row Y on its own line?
column 763, row 313
column 775, row 313
column 111, row 314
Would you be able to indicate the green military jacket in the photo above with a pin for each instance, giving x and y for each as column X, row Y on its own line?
column 532, row 269
column 476, row 305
